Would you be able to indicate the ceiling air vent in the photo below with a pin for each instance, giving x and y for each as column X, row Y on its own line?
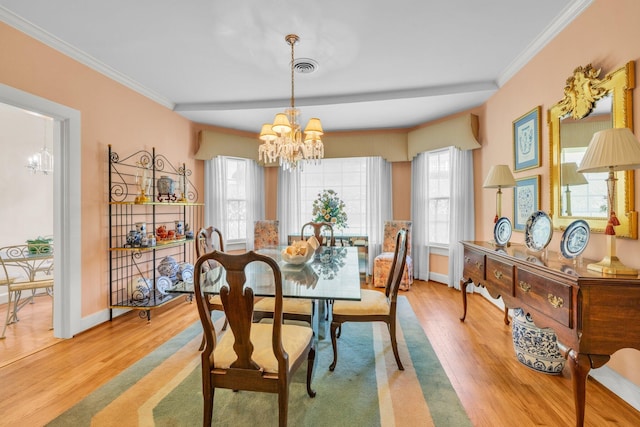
column 305, row 65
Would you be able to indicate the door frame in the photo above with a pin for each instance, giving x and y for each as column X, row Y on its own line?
column 67, row 218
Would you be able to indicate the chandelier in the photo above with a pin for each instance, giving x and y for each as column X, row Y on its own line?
column 42, row 161
column 283, row 139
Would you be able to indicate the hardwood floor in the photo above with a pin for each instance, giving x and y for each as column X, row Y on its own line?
column 494, row 388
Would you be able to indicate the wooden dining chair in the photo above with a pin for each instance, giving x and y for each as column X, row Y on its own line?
column 318, row 228
column 204, row 245
column 374, row 306
column 25, row 268
column 253, row 356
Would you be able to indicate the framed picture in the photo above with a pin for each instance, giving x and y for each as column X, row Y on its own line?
column 526, row 200
column 526, row 140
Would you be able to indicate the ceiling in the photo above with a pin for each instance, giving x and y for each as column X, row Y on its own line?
column 381, row 64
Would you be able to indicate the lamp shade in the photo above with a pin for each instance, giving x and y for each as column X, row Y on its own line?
column 281, row 124
column 267, row 133
column 314, row 128
column 571, row 176
column 614, row 149
column 500, row 176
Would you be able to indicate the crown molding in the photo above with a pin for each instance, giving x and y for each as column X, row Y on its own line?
column 569, row 13
column 52, row 41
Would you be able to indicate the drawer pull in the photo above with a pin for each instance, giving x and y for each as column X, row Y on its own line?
column 556, row 302
column 467, row 260
column 497, row 274
column 524, row 286
column 479, row 265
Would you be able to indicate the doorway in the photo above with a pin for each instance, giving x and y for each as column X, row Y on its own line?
column 66, row 178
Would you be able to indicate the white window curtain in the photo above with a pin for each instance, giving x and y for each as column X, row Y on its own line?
column 215, row 195
column 255, row 198
column 379, row 201
column 420, row 215
column 462, row 212
column 288, row 209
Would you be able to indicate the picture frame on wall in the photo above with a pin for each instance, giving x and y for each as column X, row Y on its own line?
column 526, row 200
column 526, row 140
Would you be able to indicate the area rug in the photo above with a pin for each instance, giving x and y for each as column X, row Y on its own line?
column 366, row 389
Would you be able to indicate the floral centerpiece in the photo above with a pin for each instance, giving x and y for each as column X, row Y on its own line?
column 330, row 208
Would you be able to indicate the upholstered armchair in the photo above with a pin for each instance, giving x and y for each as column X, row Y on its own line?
column 382, row 263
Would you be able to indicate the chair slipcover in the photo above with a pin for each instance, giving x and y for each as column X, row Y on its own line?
column 382, row 263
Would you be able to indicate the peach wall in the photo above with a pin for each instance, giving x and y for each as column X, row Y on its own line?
column 271, row 193
column 110, row 114
column 606, row 35
column 439, row 264
column 401, row 189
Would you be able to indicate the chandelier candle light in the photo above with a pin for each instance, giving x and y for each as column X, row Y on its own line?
column 42, row 161
column 611, row 150
column 283, row 139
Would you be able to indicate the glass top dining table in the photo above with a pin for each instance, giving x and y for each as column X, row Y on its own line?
column 333, row 273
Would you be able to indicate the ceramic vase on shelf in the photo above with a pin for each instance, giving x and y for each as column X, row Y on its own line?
column 179, row 228
column 165, row 185
column 141, row 227
column 169, row 267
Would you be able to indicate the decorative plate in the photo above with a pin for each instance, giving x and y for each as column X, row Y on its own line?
column 163, row 283
column 502, row 231
column 538, row 231
column 185, row 272
column 574, row 239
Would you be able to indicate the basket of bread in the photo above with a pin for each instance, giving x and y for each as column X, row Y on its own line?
column 300, row 251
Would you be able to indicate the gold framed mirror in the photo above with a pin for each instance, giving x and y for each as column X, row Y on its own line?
column 590, row 105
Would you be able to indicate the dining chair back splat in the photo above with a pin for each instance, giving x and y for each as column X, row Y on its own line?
column 252, row 356
column 374, row 306
column 318, row 227
column 204, row 244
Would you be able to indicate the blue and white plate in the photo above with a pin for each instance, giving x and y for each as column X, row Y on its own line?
column 163, row 284
column 502, row 231
column 538, row 231
column 575, row 238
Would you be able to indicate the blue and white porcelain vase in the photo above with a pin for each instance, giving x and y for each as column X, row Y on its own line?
column 536, row 348
column 169, row 267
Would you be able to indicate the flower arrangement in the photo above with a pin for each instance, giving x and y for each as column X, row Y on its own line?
column 330, row 208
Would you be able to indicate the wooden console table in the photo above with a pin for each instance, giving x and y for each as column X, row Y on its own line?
column 593, row 315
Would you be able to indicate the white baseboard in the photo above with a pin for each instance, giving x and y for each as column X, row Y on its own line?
column 95, row 319
column 619, row 385
column 438, row 277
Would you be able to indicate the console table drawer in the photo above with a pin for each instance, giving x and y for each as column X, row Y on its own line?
column 500, row 275
column 547, row 296
column 474, row 266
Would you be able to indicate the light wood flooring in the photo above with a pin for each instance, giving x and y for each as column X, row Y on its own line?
column 494, row 388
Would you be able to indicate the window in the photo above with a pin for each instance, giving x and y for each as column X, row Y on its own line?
column 348, row 178
column 236, row 176
column 585, row 200
column 438, row 181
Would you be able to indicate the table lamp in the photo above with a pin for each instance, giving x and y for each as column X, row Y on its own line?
column 571, row 176
column 611, row 150
column 499, row 177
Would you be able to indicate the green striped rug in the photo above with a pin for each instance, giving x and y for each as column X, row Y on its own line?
column 366, row 388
